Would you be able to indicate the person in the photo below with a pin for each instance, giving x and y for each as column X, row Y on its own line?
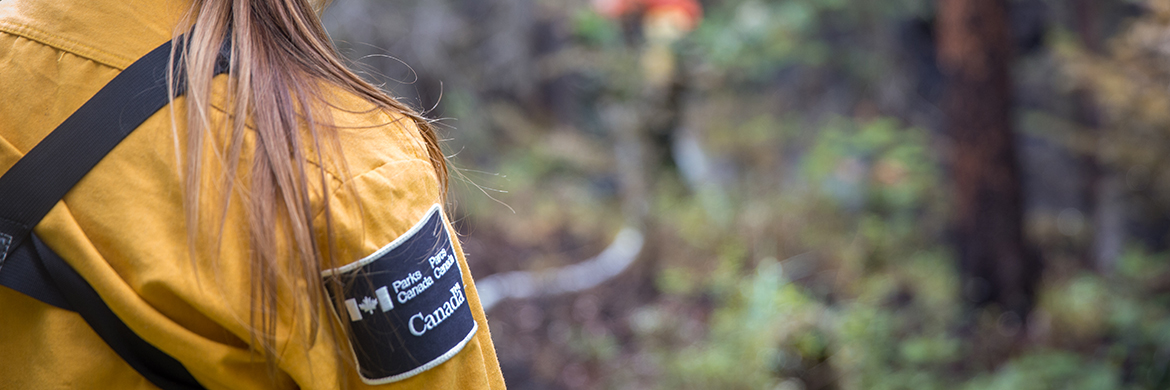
column 279, row 226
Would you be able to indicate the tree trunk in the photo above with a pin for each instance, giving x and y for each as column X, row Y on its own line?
column 975, row 50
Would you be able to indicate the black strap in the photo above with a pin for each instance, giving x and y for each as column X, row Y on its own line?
column 33, row 186
column 24, row 272
column 159, row 368
column 41, row 178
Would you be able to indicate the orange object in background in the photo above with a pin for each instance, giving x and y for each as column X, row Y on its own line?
column 663, row 23
column 686, row 14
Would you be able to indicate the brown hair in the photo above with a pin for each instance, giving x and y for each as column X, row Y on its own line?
column 282, row 62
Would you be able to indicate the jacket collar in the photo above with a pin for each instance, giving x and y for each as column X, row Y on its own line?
column 111, row 32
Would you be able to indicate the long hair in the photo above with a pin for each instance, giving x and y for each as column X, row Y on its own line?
column 283, row 66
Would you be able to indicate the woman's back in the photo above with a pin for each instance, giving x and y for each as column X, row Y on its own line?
column 123, row 228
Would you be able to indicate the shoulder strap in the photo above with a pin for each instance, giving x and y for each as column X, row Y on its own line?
column 41, row 178
column 33, row 186
column 156, row 366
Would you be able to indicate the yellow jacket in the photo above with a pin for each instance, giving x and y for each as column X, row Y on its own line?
column 121, row 227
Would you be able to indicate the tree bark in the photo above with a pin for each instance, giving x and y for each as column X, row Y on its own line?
column 975, row 52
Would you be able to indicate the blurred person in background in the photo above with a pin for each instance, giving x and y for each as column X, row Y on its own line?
column 279, row 226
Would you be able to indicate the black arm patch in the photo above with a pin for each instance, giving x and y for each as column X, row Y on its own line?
column 405, row 304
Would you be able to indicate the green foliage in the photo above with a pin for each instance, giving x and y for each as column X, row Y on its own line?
column 768, row 329
column 895, row 319
column 819, row 260
column 740, row 351
column 1049, row 370
column 833, row 270
column 594, row 30
column 753, row 38
column 1135, row 109
column 892, row 163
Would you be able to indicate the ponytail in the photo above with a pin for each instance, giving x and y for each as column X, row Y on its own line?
column 281, row 63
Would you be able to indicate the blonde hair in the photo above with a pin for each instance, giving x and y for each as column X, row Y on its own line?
column 281, row 60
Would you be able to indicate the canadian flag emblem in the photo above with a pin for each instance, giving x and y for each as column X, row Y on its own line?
column 369, row 304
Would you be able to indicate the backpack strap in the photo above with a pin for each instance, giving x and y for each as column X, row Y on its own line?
column 155, row 365
column 40, row 179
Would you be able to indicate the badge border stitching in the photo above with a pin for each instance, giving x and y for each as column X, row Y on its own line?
column 375, row 256
column 420, row 369
column 389, row 247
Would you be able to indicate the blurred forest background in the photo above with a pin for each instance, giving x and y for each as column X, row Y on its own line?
column 801, row 194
